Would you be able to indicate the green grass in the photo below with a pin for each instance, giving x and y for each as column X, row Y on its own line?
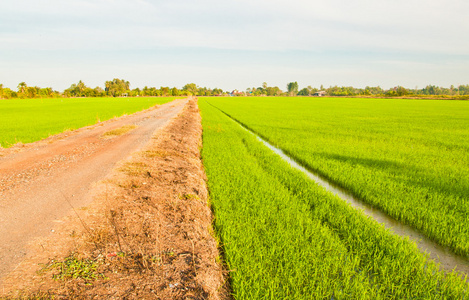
column 409, row 158
column 31, row 120
column 73, row 267
column 284, row 237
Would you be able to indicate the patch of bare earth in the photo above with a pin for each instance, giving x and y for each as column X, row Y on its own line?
column 147, row 235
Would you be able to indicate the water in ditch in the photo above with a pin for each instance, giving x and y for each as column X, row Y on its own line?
column 448, row 260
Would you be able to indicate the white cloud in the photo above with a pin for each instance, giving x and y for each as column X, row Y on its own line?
column 263, row 25
column 329, row 31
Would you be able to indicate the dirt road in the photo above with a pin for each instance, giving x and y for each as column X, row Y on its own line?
column 43, row 181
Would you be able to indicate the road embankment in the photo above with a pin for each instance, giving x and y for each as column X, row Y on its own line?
column 147, row 233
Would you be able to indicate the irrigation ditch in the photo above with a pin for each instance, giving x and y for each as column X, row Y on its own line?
column 443, row 255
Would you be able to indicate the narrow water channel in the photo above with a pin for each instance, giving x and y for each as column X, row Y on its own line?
column 448, row 260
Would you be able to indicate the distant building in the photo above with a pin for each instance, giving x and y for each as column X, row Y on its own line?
column 237, row 93
column 320, row 94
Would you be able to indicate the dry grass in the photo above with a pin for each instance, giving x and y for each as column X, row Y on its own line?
column 148, row 234
column 119, row 131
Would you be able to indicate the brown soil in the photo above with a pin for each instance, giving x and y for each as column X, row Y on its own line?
column 39, row 182
column 146, row 234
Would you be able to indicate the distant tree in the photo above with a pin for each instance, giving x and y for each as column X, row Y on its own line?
column 79, row 90
column 365, row 91
column 99, row 92
column 116, row 87
column 31, row 92
column 292, row 88
column 342, row 91
column 145, row 91
column 203, row 91
column 463, row 89
column 273, row 91
column 191, row 88
column 397, row 91
column 164, row 91
column 431, row 90
column 22, row 87
column 267, row 90
column 47, row 93
column 81, row 87
column 71, row 91
column 217, row 92
column 452, row 90
column 401, row 91
column 304, row 92
column 135, row 92
column 9, row 94
column 375, row 90
column 260, row 91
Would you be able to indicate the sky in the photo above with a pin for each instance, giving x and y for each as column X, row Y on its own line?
column 234, row 44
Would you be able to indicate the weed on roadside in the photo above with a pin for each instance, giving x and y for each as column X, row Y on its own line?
column 75, row 267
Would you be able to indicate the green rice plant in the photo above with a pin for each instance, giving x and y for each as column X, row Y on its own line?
column 409, row 158
column 29, row 120
column 284, row 237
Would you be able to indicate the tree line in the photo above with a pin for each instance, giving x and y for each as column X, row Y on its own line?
column 398, row 91
column 121, row 88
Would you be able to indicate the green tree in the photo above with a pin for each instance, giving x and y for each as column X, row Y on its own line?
column 116, row 87
column 292, row 88
column 81, row 87
column 47, row 93
column 273, row 91
column 99, row 92
column 191, row 88
column 9, row 94
column 22, row 87
column 401, row 91
column 217, row 92
column 304, row 92
column 32, row 92
column 164, row 91
column 463, row 89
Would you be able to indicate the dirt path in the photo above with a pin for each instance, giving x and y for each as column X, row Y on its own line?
column 147, row 233
column 40, row 183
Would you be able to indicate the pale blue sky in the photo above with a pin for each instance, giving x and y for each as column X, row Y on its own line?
column 234, row 44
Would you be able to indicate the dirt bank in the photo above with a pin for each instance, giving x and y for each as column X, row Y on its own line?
column 40, row 181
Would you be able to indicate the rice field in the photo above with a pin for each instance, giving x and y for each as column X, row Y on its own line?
column 410, row 159
column 284, row 237
column 29, row 120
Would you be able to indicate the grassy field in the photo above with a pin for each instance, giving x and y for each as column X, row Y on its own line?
column 409, row 158
column 284, row 237
column 30, row 120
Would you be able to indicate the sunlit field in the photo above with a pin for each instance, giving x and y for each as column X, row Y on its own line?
column 29, row 120
column 285, row 237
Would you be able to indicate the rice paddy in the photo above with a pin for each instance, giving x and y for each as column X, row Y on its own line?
column 29, row 120
column 285, row 237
